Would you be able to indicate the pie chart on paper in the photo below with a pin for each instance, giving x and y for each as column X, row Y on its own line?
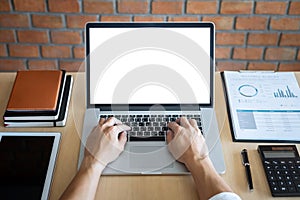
column 248, row 90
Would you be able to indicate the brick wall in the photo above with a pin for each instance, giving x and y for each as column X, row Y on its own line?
column 39, row 34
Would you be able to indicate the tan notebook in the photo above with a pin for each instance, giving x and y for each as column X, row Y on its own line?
column 36, row 90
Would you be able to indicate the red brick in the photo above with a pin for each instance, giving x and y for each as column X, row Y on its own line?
column 224, row 65
column 56, row 51
column 223, row 52
column 262, row 66
column 4, row 5
column 14, row 20
column 290, row 39
column 221, row 22
column 184, row 19
column 79, row 21
column 270, row 7
column 280, row 54
column 100, row 7
column 42, row 64
column 65, row 6
column 31, row 36
column 79, row 52
column 247, row 53
column 201, row 7
column 148, row 18
column 30, row 5
column 251, row 23
column 294, row 8
column 3, row 52
column 72, row 66
column 7, row 36
column 285, row 23
column 115, row 18
column 167, row 7
column 17, row 50
column 133, row 6
column 261, row 39
column 47, row 21
column 11, row 65
column 289, row 66
column 298, row 57
column 232, row 7
column 230, row 38
column 66, row 37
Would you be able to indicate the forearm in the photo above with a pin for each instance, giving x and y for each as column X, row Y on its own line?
column 84, row 185
column 207, row 180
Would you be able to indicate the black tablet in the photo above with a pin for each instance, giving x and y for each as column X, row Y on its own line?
column 27, row 163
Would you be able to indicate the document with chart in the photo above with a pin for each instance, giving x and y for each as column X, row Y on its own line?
column 263, row 106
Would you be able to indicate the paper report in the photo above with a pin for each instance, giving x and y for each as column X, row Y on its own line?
column 264, row 105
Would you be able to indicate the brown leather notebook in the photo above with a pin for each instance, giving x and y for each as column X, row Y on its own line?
column 36, row 90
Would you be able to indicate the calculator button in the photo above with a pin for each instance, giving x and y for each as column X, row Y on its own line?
column 273, row 183
column 279, row 178
column 270, row 172
column 282, row 162
column 284, row 167
column 297, row 186
column 293, row 172
column 281, row 183
column 296, row 178
column 278, row 172
column 276, row 167
column 283, row 189
column 267, row 162
column 268, row 167
column 275, row 189
column 289, row 183
column 274, row 162
column 292, row 167
column 288, row 178
column 292, row 189
column 272, row 178
column 285, row 172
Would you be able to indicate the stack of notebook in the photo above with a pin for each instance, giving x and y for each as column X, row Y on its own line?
column 39, row 98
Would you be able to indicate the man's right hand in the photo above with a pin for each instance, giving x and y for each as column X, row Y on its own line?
column 185, row 141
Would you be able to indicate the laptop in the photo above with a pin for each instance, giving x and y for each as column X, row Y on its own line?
column 27, row 164
column 146, row 75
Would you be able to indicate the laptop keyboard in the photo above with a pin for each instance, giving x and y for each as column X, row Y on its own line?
column 150, row 127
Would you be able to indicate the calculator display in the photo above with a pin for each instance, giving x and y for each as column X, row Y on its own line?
column 279, row 154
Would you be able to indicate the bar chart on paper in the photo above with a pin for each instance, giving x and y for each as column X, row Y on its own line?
column 286, row 93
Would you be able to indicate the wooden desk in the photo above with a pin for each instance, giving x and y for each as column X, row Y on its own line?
column 144, row 187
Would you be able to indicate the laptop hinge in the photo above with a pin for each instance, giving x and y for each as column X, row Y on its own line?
column 183, row 107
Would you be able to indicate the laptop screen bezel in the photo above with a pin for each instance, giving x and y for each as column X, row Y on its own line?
column 141, row 107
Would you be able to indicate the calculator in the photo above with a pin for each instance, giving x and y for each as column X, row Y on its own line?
column 282, row 168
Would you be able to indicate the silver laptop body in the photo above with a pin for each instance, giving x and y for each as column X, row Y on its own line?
column 151, row 69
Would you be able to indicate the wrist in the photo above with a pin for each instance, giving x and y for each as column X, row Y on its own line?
column 196, row 162
column 89, row 162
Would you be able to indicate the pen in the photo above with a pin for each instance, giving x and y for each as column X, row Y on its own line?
column 247, row 167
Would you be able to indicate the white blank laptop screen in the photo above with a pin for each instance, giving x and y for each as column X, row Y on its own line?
column 168, row 65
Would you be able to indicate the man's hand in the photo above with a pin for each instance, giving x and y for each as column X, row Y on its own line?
column 107, row 140
column 185, row 140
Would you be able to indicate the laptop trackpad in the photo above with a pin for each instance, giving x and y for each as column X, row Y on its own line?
column 150, row 157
